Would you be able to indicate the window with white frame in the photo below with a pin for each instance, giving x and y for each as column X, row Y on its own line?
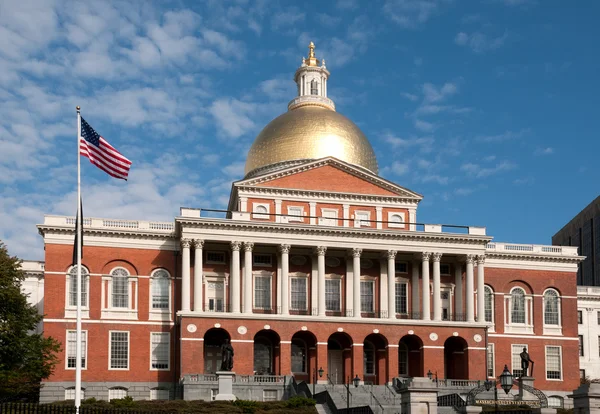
column 298, row 293
column 579, row 317
column 516, row 359
column 491, row 358
column 70, row 393
column 159, row 350
column 259, row 259
column 117, row 393
column 396, row 219
column 295, row 213
column 215, row 294
column 72, row 349
column 556, row 401
column 298, row 356
column 161, row 290
column 120, row 288
column 159, row 394
column 401, row 297
column 367, row 296
column 260, row 210
column 329, row 217
column 401, row 267
column 85, row 284
column 361, row 218
column 215, row 257
column 333, row 295
column 517, row 311
column 262, row 292
column 581, row 350
column 553, row 362
column 119, row 350
column 551, row 308
column 489, row 304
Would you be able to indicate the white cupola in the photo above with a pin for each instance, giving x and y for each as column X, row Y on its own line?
column 311, row 78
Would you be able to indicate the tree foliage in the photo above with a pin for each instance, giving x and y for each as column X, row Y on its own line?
column 26, row 357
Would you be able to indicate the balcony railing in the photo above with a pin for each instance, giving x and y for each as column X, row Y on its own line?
column 532, row 249
column 244, row 379
column 114, row 224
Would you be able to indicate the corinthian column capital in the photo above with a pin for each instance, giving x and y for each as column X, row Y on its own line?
column 436, row 257
column 248, row 246
column 284, row 248
column 470, row 258
column 235, row 246
column 481, row 259
column 320, row 251
column 185, row 243
column 425, row 256
column 356, row 252
column 391, row 254
column 198, row 244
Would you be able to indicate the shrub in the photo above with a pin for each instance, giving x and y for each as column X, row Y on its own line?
column 298, row 401
column 126, row 402
column 246, row 406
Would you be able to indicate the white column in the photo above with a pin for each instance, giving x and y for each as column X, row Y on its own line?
column 247, row 285
column 321, row 250
column 458, row 292
column 234, row 280
column 356, row 277
column 480, row 288
column 437, row 300
column 243, row 204
column 346, row 213
column 198, row 282
column 349, row 281
column 412, row 218
column 379, row 217
column 312, row 212
column 469, row 290
column 277, row 211
column 185, row 274
column 426, row 311
column 415, row 290
column 285, row 270
column 391, row 279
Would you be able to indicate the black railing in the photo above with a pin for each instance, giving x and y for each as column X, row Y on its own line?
column 212, row 307
column 375, row 314
column 33, row 408
column 451, row 400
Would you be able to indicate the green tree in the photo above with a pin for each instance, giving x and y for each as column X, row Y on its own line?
column 26, row 358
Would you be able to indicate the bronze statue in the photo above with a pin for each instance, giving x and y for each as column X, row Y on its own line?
column 525, row 360
column 226, row 356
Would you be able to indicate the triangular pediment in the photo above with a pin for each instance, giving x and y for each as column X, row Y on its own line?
column 329, row 175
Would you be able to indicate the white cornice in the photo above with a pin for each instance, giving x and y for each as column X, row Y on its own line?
column 350, row 169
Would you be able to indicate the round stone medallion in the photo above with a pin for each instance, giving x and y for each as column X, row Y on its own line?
column 340, row 329
column 477, row 338
column 267, row 327
column 454, row 333
column 304, row 328
column 376, row 331
column 298, row 260
column 192, row 328
column 411, row 332
column 433, row 336
column 217, row 325
column 242, row 330
column 332, row 261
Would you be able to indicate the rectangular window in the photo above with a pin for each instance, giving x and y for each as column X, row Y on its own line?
column 579, row 317
column 516, row 359
column 72, row 349
column 332, row 295
column 262, row 292
column 490, row 361
column 582, row 373
column 70, row 393
column 298, row 294
column 262, row 260
column 367, row 301
column 581, row 353
column 444, row 269
column 159, row 350
column 553, row 363
column 401, row 267
column 119, row 350
column 215, row 296
column 401, row 299
column 158, row 394
column 598, row 313
column 295, row 213
column 329, row 217
column 215, row 257
column 73, row 289
column 120, row 292
column 361, row 219
column 161, row 287
column 116, row 393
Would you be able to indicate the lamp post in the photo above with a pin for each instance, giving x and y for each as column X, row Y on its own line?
column 506, row 382
column 355, row 381
column 320, row 371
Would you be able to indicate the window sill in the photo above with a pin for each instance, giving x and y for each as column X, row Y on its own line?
column 160, row 315
column 522, row 329
column 72, row 313
column 552, row 330
column 129, row 314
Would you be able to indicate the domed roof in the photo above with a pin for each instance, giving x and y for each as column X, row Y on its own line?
column 306, row 133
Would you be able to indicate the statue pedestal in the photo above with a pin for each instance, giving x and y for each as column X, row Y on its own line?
column 524, row 394
column 225, row 379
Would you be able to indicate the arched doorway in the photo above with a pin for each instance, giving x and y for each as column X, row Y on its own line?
column 375, row 359
column 213, row 339
column 456, row 358
column 266, row 353
column 410, row 360
column 339, row 357
column 304, row 356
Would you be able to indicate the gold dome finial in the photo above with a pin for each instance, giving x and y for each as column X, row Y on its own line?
column 312, row 60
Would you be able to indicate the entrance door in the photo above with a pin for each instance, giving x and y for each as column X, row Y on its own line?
column 335, row 365
column 445, row 299
column 212, row 359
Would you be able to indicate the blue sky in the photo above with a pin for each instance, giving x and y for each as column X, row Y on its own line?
column 487, row 108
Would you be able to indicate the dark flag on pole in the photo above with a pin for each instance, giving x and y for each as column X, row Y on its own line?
column 77, row 240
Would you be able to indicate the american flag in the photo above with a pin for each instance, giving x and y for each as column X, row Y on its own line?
column 101, row 153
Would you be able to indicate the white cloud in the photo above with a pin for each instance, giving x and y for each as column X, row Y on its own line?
column 424, row 126
column 347, row 4
column 235, row 170
column 232, row 116
column 425, row 144
column 479, row 42
column 287, row 18
column 478, row 171
column 524, row 181
column 409, row 14
column 505, row 136
column 277, row 88
column 434, row 178
column 433, row 94
column 399, row 168
column 410, row 96
column 544, row 151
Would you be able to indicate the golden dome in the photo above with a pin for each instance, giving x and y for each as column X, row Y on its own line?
column 307, row 133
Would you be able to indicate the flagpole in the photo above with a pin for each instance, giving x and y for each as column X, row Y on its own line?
column 78, row 350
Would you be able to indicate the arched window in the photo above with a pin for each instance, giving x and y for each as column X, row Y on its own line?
column 403, row 359
column 120, row 288
column 551, row 307
column 116, row 393
column 161, row 289
column 369, row 358
column 489, row 304
column 261, row 209
column 298, row 356
column 517, row 312
column 73, row 286
column 314, row 87
column 556, row 401
column 396, row 218
column 263, row 352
